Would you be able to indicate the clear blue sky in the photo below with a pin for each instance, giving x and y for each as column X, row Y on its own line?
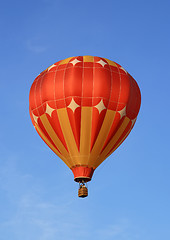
column 129, row 197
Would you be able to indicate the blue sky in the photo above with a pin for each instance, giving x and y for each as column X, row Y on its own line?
column 129, row 197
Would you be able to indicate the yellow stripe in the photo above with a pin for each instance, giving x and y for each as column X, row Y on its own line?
column 54, row 136
column 68, row 136
column 65, row 61
column 50, row 145
column 107, row 123
column 85, row 134
column 120, row 142
column 111, row 62
column 114, row 139
column 88, row 58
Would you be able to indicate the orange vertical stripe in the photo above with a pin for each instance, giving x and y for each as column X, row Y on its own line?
column 54, row 136
column 112, row 142
column 68, row 135
column 51, row 146
column 85, row 135
column 104, row 131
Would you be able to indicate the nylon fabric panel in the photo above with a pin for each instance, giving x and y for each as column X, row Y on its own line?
column 120, row 142
column 73, row 88
column 75, row 122
column 88, row 59
column 31, row 116
column 112, row 142
column 38, row 97
column 73, row 81
column 68, row 135
column 59, row 89
column 113, row 129
column 114, row 91
column 101, row 77
column 101, row 83
column 124, row 92
column 32, row 97
column 65, row 61
column 46, row 86
column 43, row 130
column 134, row 100
column 85, row 136
column 104, row 131
column 110, row 62
column 35, row 100
column 97, row 121
column 122, row 137
column 54, row 122
column 87, row 86
column 53, row 135
column 45, row 139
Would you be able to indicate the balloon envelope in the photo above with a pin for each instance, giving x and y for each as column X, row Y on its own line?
column 83, row 108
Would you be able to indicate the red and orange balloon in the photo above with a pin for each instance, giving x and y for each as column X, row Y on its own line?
column 83, row 108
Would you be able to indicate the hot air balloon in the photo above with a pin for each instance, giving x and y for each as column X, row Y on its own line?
column 83, row 108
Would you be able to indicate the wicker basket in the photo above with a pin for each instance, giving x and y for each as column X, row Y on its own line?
column 83, row 192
